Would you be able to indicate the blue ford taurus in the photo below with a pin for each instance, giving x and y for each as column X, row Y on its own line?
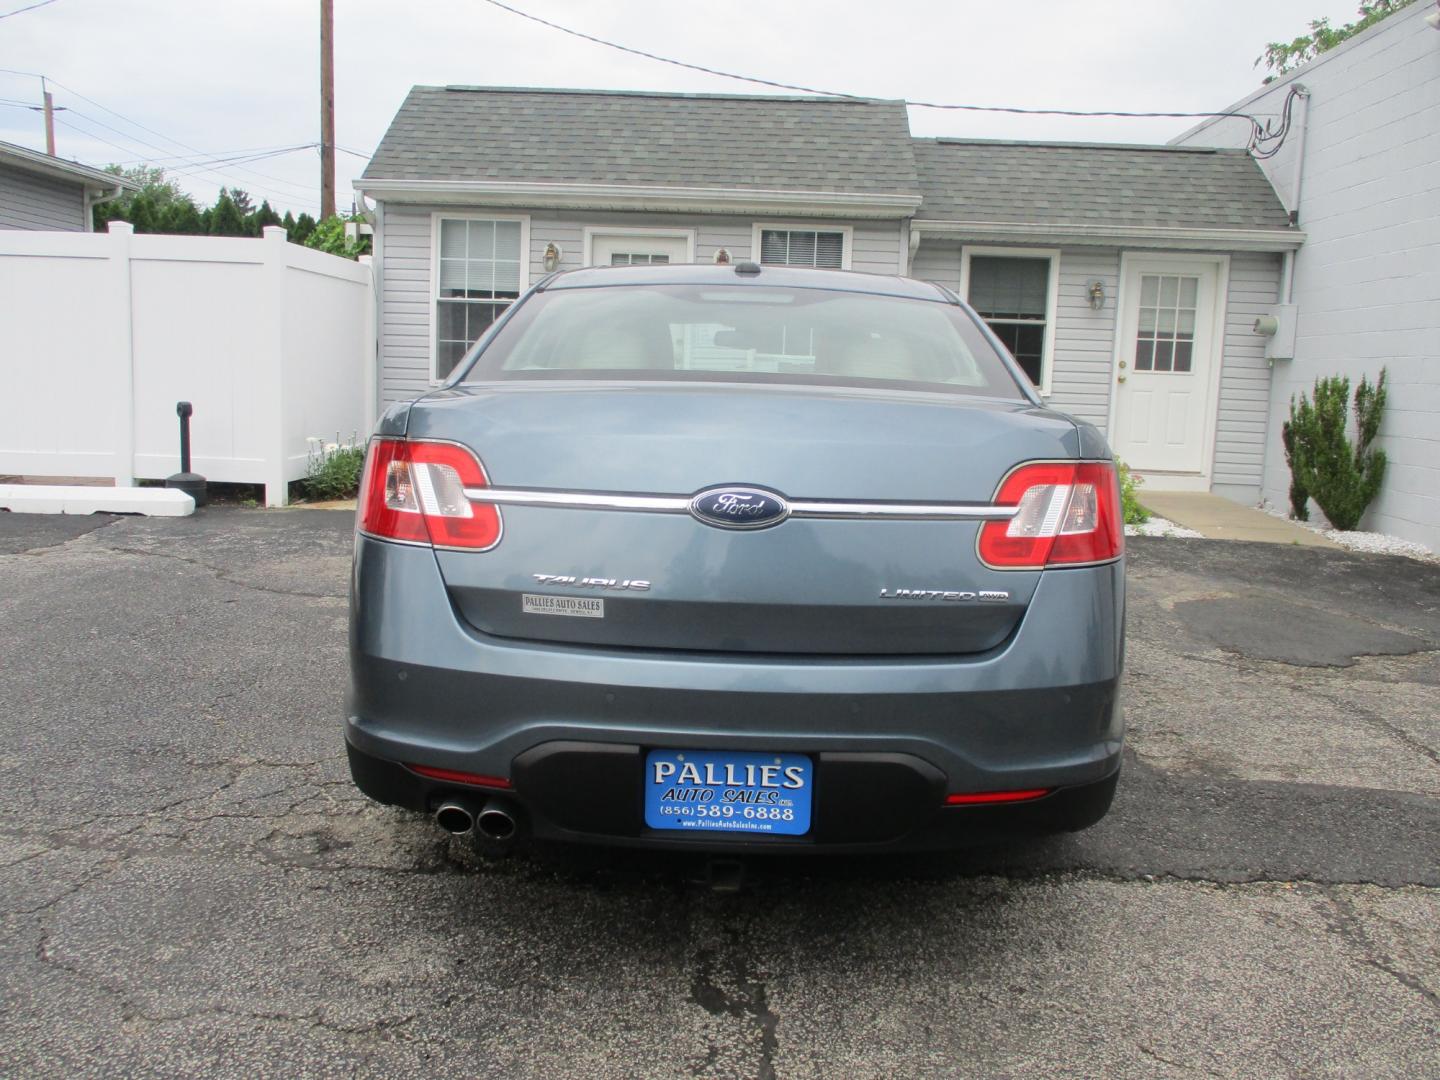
column 738, row 559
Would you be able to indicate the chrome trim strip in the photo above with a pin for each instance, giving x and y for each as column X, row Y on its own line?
column 680, row 504
column 861, row 511
column 576, row 500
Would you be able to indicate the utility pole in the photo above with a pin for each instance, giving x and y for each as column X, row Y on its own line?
column 49, row 119
column 327, row 108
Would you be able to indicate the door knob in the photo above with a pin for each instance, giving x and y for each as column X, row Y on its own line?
column 1120, row 379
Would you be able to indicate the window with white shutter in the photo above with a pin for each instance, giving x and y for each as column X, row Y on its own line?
column 481, row 268
column 1015, row 294
column 822, row 249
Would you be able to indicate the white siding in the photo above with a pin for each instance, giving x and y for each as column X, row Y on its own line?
column 1241, row 418
column 405, row 305
column 938, row 262
column 1084, row 337
column 1083, row 375
column 1367, row 281
column 404, row 252
column 28, row 201
column 876, row 247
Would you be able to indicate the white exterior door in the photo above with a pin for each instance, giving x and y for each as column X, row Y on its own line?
column 637, row 248
column 1163, row 421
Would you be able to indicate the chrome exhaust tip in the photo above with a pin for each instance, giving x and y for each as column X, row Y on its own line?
column 455, row 817
column 496, row 822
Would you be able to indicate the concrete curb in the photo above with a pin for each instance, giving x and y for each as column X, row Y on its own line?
column 62, row 499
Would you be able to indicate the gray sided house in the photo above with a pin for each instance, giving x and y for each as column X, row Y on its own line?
column 38, row 191
column 1126, row 280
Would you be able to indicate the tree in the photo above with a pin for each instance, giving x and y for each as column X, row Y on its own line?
column 225, row 218
column 263, row 217
column 242, row 201
column 304, row 226
column 162, row 206
column 157, row 195
column 330, row 236
column 182, row 216
column 1282, row 57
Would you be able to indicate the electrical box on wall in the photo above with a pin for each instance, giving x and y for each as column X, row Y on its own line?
column 1278, row 328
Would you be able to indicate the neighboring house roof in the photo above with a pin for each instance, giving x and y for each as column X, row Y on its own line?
column 584, row 147
column 34, row 161
column 1075, row 189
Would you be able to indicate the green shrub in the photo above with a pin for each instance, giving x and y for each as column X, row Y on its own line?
column 1342, row 478
column 329, row 235
column 334, row 469
column 1135, row 514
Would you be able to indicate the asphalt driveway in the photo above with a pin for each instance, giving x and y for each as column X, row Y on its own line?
column 191, row 886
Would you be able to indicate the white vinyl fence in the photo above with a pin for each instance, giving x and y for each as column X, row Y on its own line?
column 102, row 333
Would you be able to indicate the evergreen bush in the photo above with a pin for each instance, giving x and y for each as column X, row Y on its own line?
column 1343, row 478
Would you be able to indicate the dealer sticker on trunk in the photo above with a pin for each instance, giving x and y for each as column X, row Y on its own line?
column 584, row 607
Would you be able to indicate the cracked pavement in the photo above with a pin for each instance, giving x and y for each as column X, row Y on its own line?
column 191, row 886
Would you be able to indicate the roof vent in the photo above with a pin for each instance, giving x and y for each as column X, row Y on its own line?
column 747, row 267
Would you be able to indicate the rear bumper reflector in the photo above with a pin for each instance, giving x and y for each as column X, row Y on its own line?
column 455, row 776
column 972, row 798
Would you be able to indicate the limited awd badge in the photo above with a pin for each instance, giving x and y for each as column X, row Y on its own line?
column 955, row 596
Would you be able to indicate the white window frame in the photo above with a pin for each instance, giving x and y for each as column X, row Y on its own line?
column 592, row 231
column 433, row 321
column 1052, row 298
column 847, row 232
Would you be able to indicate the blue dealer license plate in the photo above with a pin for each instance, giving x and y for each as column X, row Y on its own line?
column 712, row 791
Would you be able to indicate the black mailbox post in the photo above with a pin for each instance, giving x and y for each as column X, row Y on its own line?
column 193, row 484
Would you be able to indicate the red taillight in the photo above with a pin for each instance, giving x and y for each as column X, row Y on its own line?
column 972, row 798
column 415, row 491
column 1067, row 513
column 455, row 776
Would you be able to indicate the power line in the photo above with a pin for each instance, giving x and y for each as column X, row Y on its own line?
column 280, row 195
column 167, row 138
column 185, row 170
column 669, row 60
column 1259, row 132
column 279, row 191
column 29, row 7
column 187, row 159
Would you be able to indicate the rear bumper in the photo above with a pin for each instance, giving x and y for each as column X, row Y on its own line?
column 1040, row 711
column 590, row 793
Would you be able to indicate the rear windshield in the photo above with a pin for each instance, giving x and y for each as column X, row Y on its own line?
column 744, row 333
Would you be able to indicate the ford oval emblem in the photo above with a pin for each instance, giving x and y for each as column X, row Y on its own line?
column 739, row 507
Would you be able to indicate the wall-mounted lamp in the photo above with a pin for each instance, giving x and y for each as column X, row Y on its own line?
column 722, row 257
column 551, row 258
column 1097, row 295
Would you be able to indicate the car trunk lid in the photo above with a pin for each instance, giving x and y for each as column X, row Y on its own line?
column 659, row 578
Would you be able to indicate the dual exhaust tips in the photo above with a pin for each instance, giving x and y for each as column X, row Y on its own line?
column 495, row 821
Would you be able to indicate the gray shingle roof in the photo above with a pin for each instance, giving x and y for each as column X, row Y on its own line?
column 34, row 161
column 685, row 140
column 1077, row 183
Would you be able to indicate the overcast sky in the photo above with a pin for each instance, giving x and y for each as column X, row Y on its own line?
column 225, row 77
